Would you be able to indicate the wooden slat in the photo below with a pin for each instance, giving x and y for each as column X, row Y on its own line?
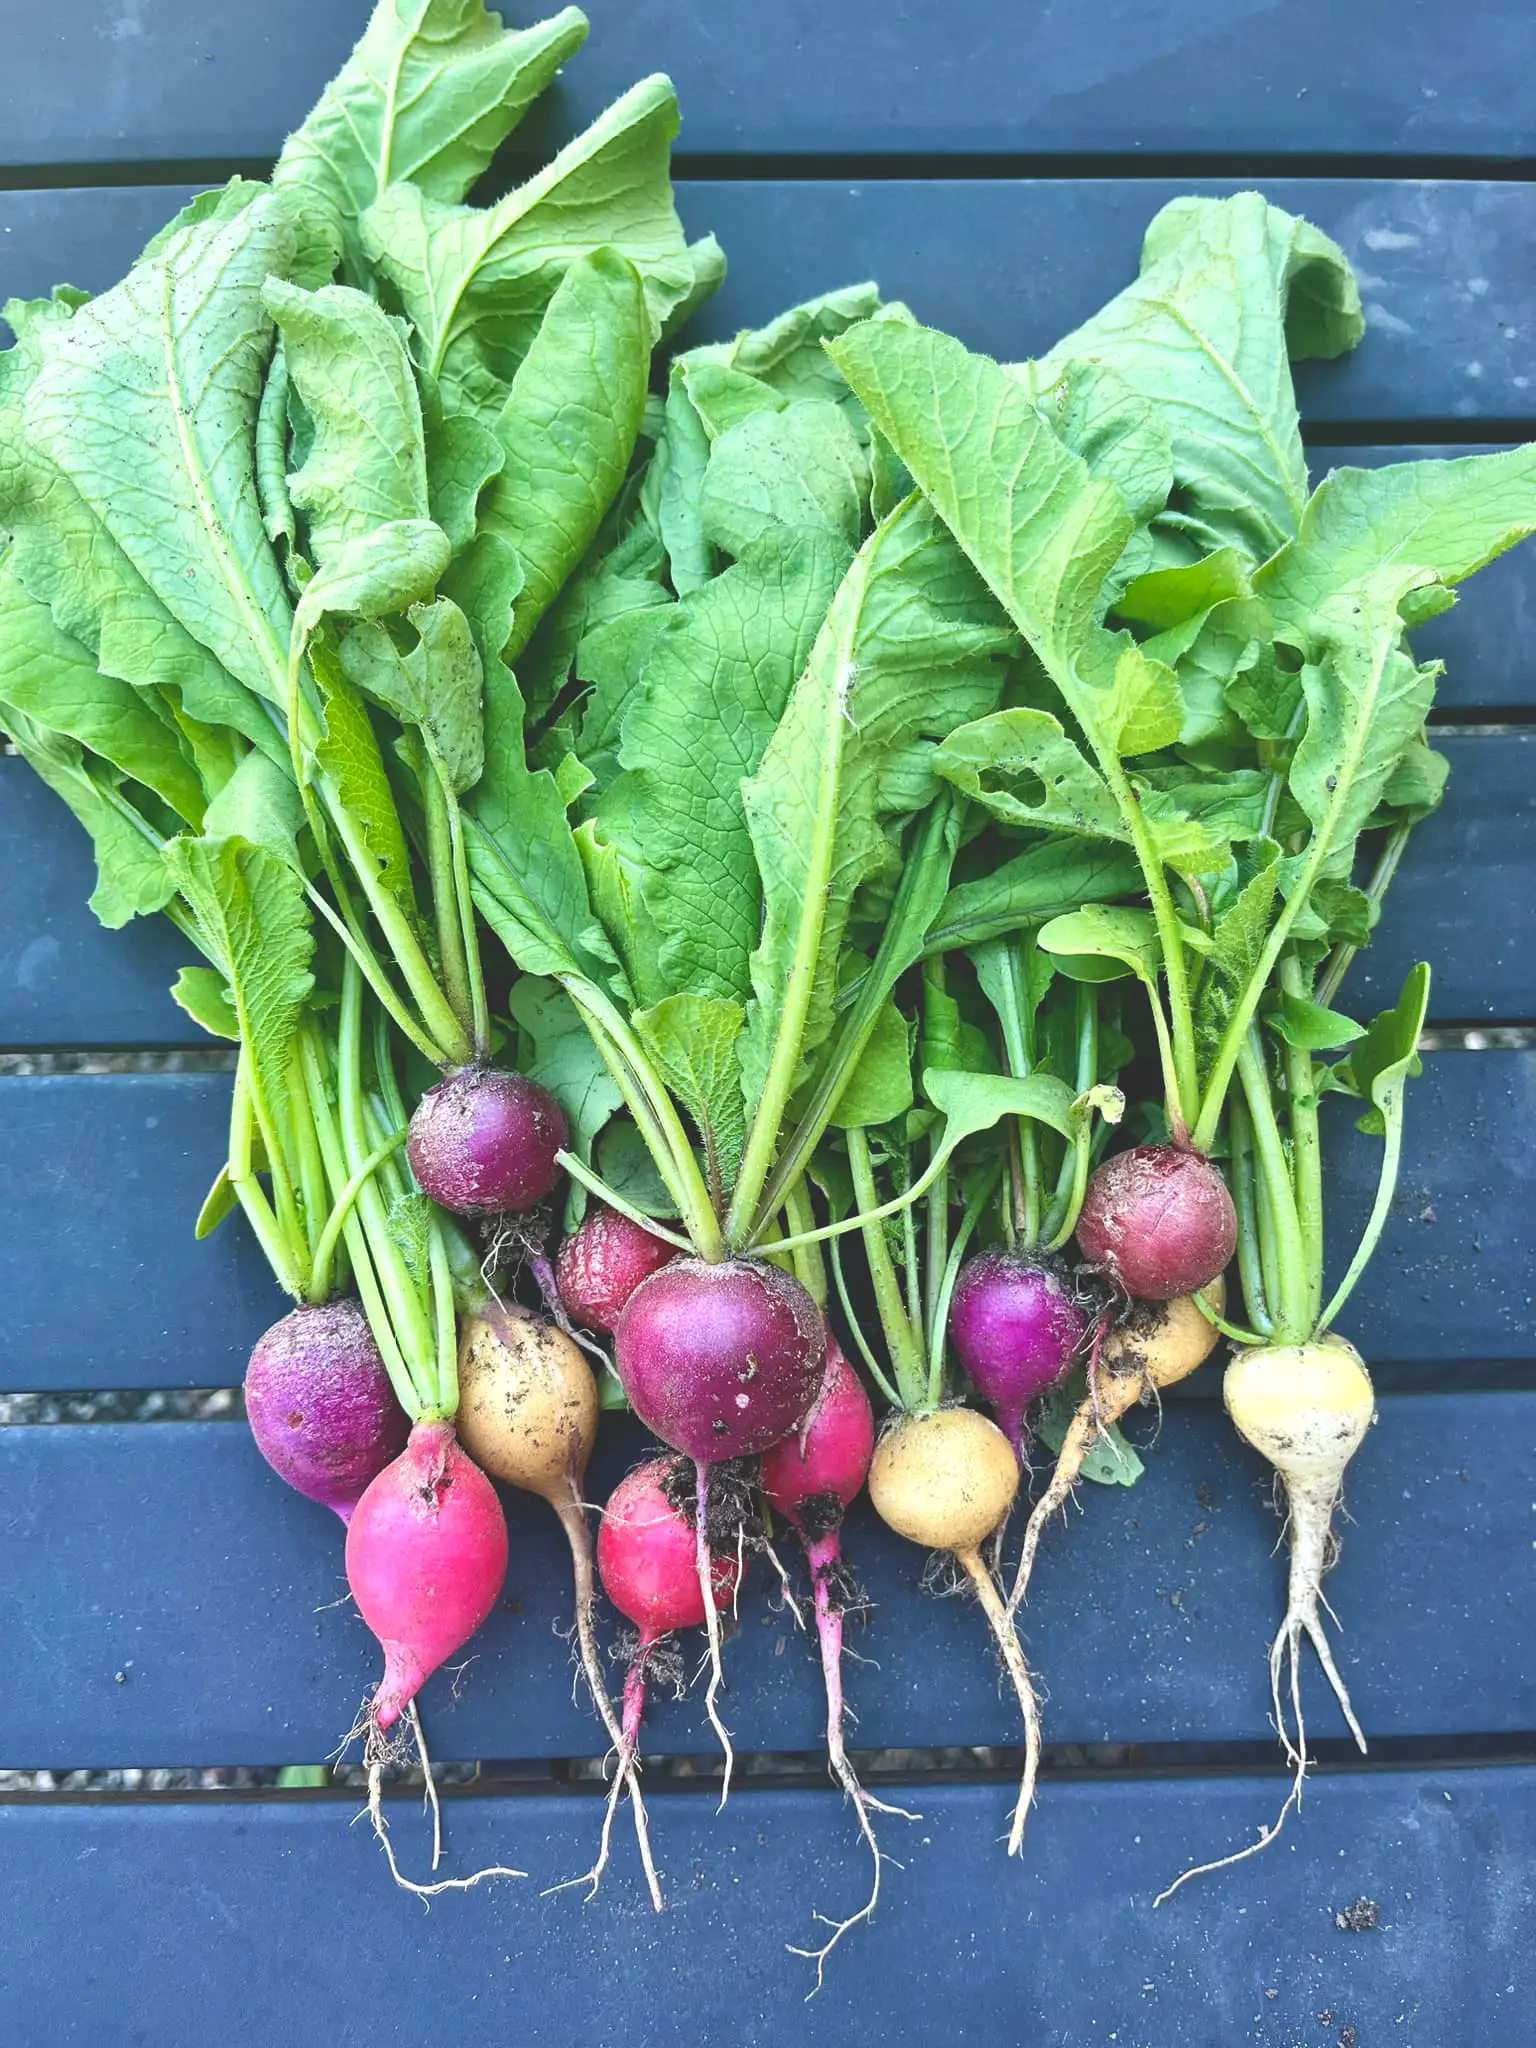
column 165, row 80
column 168, row 1553
column 101, row 1177
column 1465, row 896
column 277, row 1921
column 1449, row 269
column 105, row 1285
column 64, row 981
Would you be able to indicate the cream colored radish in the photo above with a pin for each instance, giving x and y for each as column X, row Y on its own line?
column 1306, row 1408
column 947, row 1480
column 1157, row 1344
column 528, row 1409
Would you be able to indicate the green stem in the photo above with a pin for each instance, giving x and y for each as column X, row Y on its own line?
column 275, row 1222
column 445, row 892
column 1285, row 1271
column 313, row 1192
column 1306, row 1146
column 479, row 1007
column 595, row 1184
column 1178, row 1126
column 1072, row 1182
column 810, row 1270
column 938, row 1328
column 1386, row 1188
column 341, row 1211
column 401, row 1378
column 1183, row 1076
column 446, row 1327
column 1337, row 965
column 373, row 973
column 904, row 1342
column 868, row 1356
column 1250, row 1263
column 1017, row 1022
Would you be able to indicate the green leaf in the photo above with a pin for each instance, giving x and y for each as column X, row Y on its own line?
column 880, row 1087
column 973, row 1103
column 715, row 680
column 1227, row 288
column 220, row 1203
column 435, row 687
column 462, row 455
column 693, row 1041
column 259, row 803
column 1417, row 783
column 564, row 1059
column 251, row 909
column 204, row 994
column 1167, row 598
column 1311, row 1027
column 475, row 282
column 674, row 488
column 630, row 1171
column 1387, row 1057
column 429, row 94
column 131, row 876
column 1045, row 881
column 786, row 357
column 349, row 754
column 1121, row 435
column 55, row 681
column 1443, row 518
column 778, row 470
column 147, row 400
column 1141, row 712
column 1021, row 766
column 908, row 650
column 568, row 428
column 1085, row 940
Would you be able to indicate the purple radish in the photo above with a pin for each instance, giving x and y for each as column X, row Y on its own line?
column 1017, row 1328
column 484, row 1142
column 719, row 1361
column 810, row 1478
column 1159, row 1220
column 320, row 1404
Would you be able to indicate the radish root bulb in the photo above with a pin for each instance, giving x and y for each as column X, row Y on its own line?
column 1305, row 1407
column 947, row 1480
column 528, row 1412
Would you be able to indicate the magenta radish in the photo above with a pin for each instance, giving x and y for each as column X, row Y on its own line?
column 426, row 1559
column 647, row 1559
column 602, row 1263
column 320, row 1404
column 1017, row 1327
column 720, row 1361
column 1159, row 1220
column 483, row 1142
column 810, row 1478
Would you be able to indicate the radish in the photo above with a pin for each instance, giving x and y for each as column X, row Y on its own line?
column 720, row 1361
column 810, row 1478
column 1159, row 1220
column 647, row 1558
column 947, row 1480
column 1154, row 1345
column 483, row 1142
column 320, row 1404
column 528, row 1410
column 426, row 1558
column 1016, row 1325
column 602, row 1263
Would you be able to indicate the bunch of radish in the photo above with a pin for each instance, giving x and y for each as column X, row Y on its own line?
column 809, row 907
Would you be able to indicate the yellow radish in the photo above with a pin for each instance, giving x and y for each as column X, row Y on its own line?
column 528, row 1409
column 947, row 1481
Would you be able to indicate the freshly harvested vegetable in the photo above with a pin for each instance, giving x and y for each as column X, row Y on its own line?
column 483, row 1142
column 601, row 1264
column 1159, row 1220
column 320, row 1404
column 528, row 1409
column 810, row 1478
column 1016, row 1326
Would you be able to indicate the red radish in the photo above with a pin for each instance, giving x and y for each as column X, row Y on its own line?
column 720, row 1361
column 482, row 1142
column 320, row 1404
column 602, row 1263
column 810, row 1478
column 426, row 1558
column 1159, row 1220
column 1017, row 1328
column 647, row 1559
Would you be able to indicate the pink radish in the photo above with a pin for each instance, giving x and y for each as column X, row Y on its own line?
column 720, row 1361
column 482, row 1142
column 810, row 1478
column 1159, row 1220
column 320, row 1404
column 647, row 1559
column 1017, row 1328
column 602, row 1263
column 426, row 1559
